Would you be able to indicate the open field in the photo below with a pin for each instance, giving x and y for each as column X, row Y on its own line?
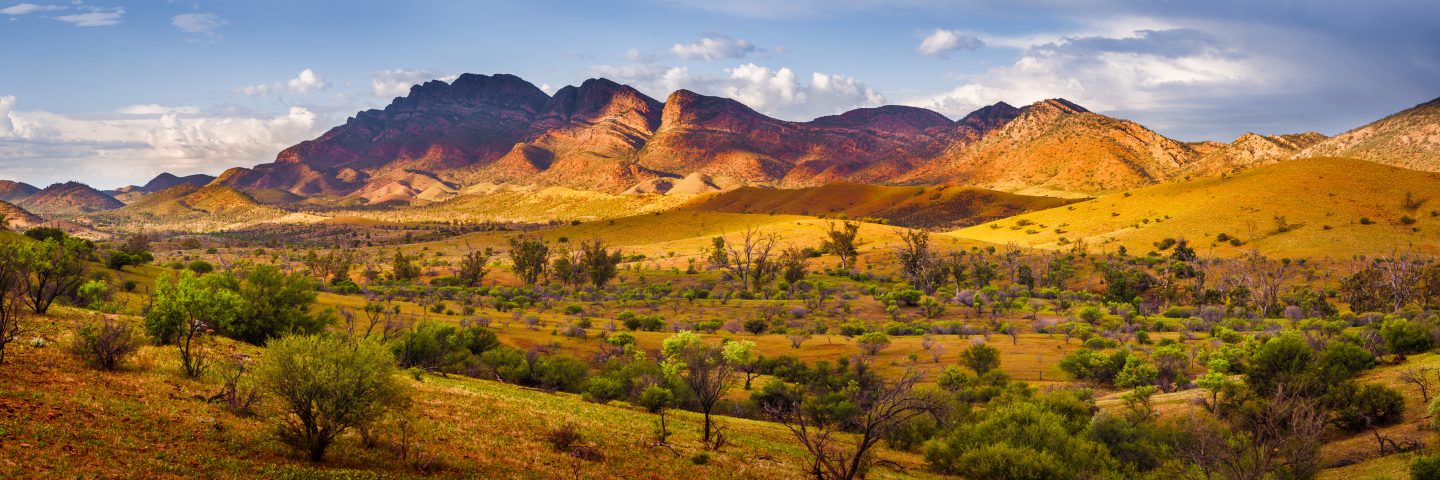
column 1325, row 204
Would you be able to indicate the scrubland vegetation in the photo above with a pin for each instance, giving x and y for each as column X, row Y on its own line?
column 711, row 345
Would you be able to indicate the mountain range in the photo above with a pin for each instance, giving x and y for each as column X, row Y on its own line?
column 444, row 140
column 601, row 135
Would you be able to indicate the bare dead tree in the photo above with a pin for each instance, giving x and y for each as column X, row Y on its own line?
column 1422, row 377
column 882, row 409
column 1264, row 278
column 748, row 260
column 1011, row 260
column 1400, row 274
column 1283, row 436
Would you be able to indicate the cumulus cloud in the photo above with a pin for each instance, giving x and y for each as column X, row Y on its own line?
column 779, row 92
column 656, row 80
column 198, row 23
column 713, row 47
column 156, row 109
column 941, row 43
column 142, row 141
column 397, row 82
column 1148, row 70
column 305, row 83
column 7, row 103
column 29, row 8
column 96, row 17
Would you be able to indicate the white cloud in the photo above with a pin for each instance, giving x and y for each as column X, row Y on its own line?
column 98, row 17
column 941, row 43
column 305, row 83
column 655, row 79
column 29, row 8
column 156, row 109
column 715, row 47
column 7, row 103
column 199, row 23
column 143, row 141
column 397, row 82
column 1146, row 70
column 781, row 92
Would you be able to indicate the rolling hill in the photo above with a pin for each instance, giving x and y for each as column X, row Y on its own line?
column 1307, row 208
column 17, row 218
column 1409, row 139
column 1248, row 150
column 189, row 207
column 13, row 191
column 69, row 198
column 910, row 206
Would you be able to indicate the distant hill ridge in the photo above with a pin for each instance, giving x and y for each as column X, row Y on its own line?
column 609, row 137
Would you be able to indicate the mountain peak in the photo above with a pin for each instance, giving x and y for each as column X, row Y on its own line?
column 685, row 107
column 69, row 198
column 600, row 98
column 887, row 117
column 1059, row 104
column 989, row 118
column 12, row 191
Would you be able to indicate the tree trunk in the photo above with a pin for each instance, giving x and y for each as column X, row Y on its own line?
column 707, row 424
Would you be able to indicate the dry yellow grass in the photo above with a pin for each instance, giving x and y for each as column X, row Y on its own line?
column 670, row 239
column 60, row 419
column 1323, row 199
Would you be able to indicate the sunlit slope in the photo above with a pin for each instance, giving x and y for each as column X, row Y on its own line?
column 914, row 206
column 1330, row 207
column 189, row 207
column 523, row 205
column 688, row 234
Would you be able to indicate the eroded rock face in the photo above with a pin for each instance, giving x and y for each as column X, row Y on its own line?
column 1408, row 139
column 1057, row 147
column 609, row 137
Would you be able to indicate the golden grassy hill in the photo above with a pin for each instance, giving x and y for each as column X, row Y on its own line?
column 522, row 205
column 911, row 206
column 1324, row 201
column 191, row 208
column 673, row 238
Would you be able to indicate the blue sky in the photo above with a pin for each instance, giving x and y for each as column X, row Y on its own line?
column 112, row 93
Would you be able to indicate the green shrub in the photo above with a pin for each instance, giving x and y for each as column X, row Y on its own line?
column 872, row 343
column 1405, row 336
column 603, row 390
column 980, row 358
column 1425, row 467
column 327, row 385
column 1370, row 405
